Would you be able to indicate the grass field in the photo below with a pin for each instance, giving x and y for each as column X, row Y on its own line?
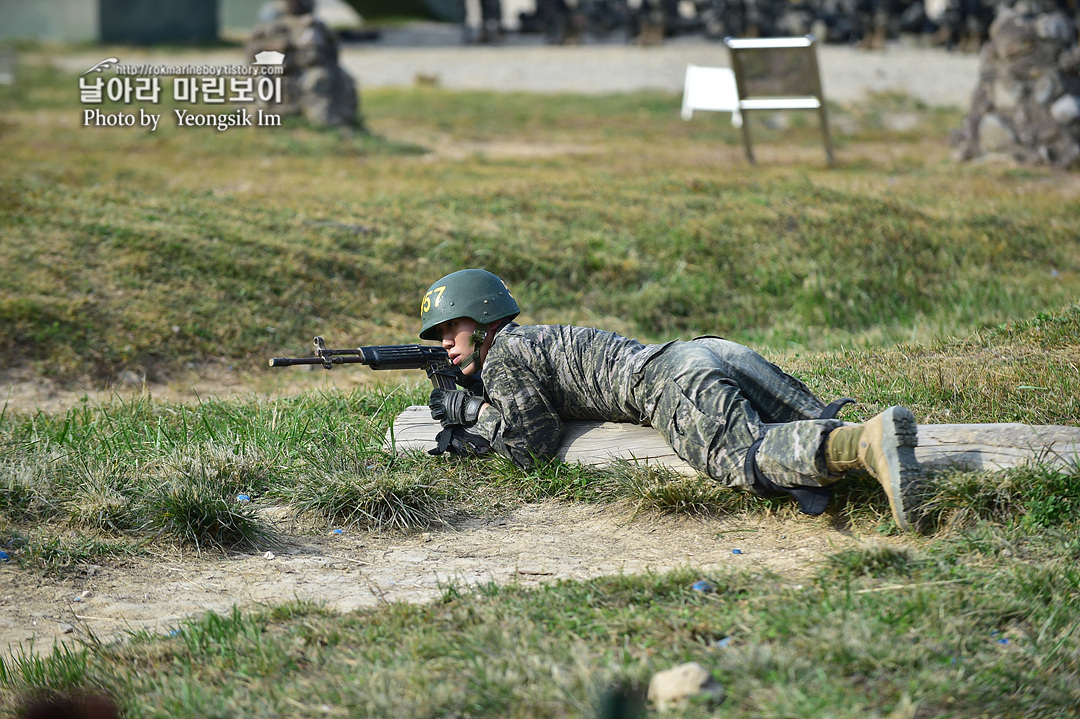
column 899, row 277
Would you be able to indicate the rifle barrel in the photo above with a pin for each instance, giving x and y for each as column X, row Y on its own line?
column 392, row 357
column 334, row 359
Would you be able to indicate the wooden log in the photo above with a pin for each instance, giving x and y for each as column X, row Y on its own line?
column 974, row 446
column 998, row 446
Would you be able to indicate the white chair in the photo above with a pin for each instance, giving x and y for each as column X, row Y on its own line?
column 711, row 89
column 766, row 74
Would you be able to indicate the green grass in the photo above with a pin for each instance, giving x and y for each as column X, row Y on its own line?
column 128, row 472
column 932, row 635
column 131, row 250
column 898, row 277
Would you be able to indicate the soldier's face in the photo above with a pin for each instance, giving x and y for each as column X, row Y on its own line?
column 457, row 340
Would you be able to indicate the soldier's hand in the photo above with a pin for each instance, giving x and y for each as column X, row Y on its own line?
column 455, row 406
column 455, row 439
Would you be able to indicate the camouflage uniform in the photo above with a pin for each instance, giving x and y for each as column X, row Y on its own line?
column 561, row 20
column 711, row 399
column 491, row 12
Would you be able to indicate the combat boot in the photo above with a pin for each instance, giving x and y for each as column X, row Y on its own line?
column 491, row 33
column 942, row 37
column 879, row 38
column 885, row 447
column 574, row 29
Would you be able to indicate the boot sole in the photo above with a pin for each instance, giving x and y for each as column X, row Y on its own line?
column 900, row 436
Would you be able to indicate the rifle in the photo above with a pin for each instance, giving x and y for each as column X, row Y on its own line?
column 434, row 360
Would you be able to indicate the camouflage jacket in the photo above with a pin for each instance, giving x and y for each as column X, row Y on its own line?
column 538, row 375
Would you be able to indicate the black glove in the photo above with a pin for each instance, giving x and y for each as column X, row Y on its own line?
column 455, row 406
column 456, row 440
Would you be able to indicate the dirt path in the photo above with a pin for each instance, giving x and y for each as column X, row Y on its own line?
column 534, row 544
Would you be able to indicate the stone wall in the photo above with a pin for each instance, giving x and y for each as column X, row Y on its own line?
column 1027, row 103
column 314, row 84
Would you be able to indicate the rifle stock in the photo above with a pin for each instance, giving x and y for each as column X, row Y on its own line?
column 433, row 360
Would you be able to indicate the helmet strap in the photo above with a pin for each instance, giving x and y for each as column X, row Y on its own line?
column 477, row 339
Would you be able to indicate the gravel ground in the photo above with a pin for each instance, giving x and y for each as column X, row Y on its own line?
column 435, row 53
column 432, row 52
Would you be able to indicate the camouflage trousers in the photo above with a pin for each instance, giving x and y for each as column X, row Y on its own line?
column 712, row 399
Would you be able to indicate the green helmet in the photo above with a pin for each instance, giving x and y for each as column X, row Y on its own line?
column 476, row 294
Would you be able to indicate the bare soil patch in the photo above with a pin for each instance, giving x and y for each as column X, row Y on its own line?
column 22, row 389
column 532, row 545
